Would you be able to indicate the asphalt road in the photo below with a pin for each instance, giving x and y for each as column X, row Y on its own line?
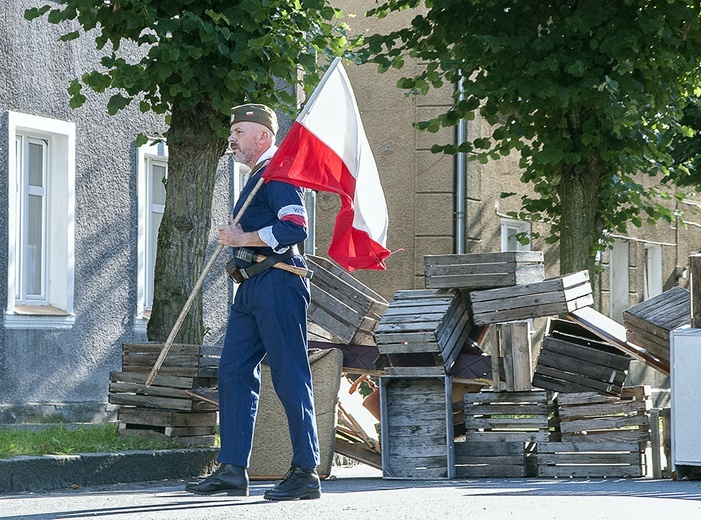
column 360, row 493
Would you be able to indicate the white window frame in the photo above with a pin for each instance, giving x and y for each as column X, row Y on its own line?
column 518, row 226
column 155, row 152
column 54, row 309
column 652, row 282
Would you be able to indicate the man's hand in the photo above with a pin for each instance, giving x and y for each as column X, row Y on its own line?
column 234, row 236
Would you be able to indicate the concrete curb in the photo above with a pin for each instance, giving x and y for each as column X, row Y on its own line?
column 90, row 469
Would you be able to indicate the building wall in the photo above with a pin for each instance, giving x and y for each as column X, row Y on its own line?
column 66, row 372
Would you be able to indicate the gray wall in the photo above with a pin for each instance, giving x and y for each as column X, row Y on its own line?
column 67, row 371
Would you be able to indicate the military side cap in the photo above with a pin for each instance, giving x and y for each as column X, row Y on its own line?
column 255, row 113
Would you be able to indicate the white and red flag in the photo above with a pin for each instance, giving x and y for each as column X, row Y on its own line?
column 327, row 150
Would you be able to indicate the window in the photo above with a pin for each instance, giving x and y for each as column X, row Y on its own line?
column 653, row 271
column 152, row 172
column 41, row 206
column 510, row 232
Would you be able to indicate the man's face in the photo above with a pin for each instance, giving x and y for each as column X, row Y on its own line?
column 243, row 142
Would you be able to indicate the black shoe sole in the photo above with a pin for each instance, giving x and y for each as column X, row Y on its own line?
column 306, row 496
column 230, row 492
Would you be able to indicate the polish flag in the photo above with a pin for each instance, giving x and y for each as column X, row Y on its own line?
column 327, row 150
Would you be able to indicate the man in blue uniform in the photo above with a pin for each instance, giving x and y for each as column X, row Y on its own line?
column 268, row 318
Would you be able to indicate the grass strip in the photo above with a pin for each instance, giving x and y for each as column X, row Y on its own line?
column 59, row 440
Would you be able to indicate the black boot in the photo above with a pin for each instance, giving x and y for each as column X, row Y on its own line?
column 229, row 479
column 298, row 483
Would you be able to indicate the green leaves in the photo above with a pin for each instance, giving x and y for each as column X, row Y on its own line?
column 199, row 51
column 595, row 87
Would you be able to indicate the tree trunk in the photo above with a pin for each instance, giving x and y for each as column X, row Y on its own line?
column 580, row 224
column 194, row 150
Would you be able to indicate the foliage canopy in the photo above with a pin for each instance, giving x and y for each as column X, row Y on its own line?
column 589, row 92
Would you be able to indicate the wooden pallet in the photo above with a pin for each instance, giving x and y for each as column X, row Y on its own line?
column 484, row 270
column 550, row 297
column 186, row 367
column 572, row 361
column 588, row 459
column 592, row 417
column 186, row 428
column 650, row 323
column 417, row 427
column 507, row 416
column 424, row 321
column 341, row 305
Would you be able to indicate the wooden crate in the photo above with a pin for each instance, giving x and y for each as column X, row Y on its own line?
column 507, row 416
column 185, row 367
column 550, row 297
column 341, row 305
column 484, row 270
column 424, row 321
column 572, row 360
column 590, row 459
column 649, row 324
column 501, row 429
column 494, row 459
column 592, row 417
column 416, row 427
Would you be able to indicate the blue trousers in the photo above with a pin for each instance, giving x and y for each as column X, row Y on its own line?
column 269, row 316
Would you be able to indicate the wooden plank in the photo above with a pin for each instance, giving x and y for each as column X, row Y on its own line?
column 593, row 356
column 490, row 471
column 515, row 346
column 358, row 452
column 139, row 389
column 176, row 349
column 159, row 380
column 585, row 398
column 538, row 396
column 603, row 471
column 576, row 447
column 603, row 423
column 505, row 423
column 540, row 409
column 148, row 401
column 527, row 312
column 189, row 431
column 488, row 449
column 506, row 257
column 577, row 382
column 601, row 410
column 166, row 417
column 507, row 436
column 630, row 435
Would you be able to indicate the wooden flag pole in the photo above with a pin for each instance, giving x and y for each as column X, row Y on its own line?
column 196, row 288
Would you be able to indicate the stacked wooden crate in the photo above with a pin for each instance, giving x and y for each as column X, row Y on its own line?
column 164, row 408
column 550, row 297
column 417, row 426
column 342, row 308
column 600, row 436
column 575, row 360
column 483, row 271
column 501, row 430
column 649, row 324
column 429, row 322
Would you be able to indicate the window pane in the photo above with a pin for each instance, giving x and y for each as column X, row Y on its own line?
column 159, row 189
column 35, row 164
column 34, row 242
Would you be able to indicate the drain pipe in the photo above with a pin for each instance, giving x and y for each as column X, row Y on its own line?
column 460, row 178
